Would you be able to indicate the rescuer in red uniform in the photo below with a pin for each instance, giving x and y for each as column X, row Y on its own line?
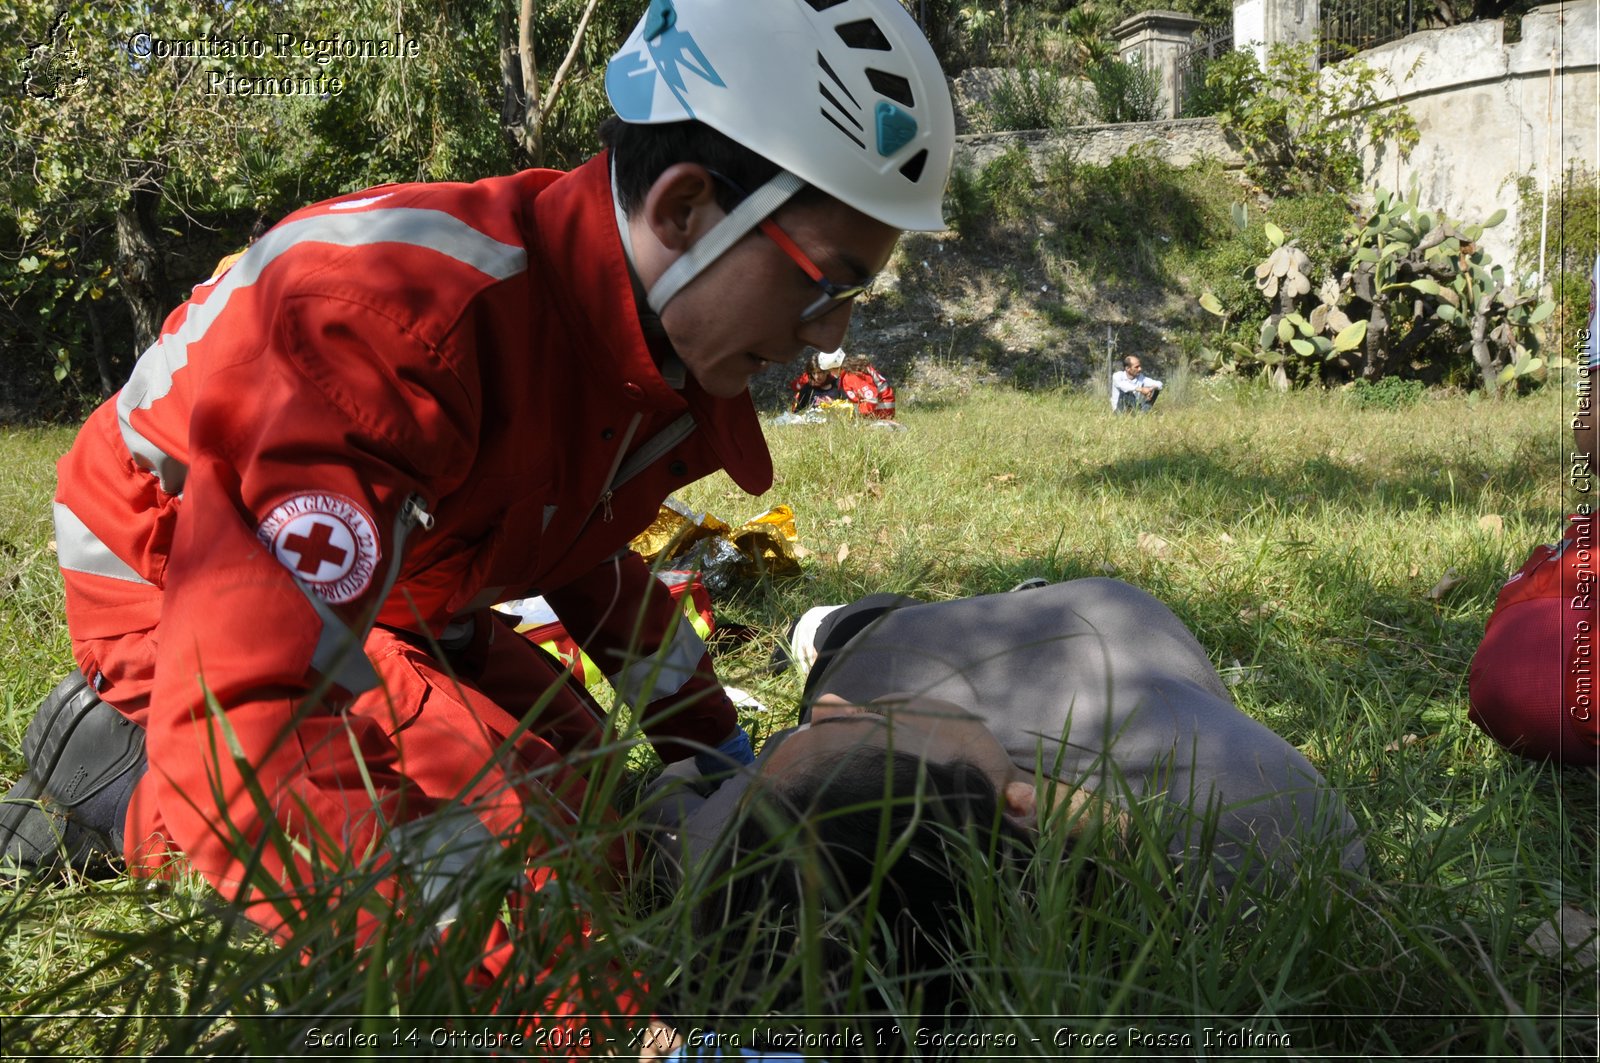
column 280, row 539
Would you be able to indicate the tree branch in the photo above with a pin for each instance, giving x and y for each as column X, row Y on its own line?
column 566, row 64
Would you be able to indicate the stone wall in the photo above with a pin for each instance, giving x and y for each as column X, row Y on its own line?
column 1490, row 112
column 1180, row 142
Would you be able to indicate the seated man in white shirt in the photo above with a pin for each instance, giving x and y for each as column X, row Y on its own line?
column 1131, row 390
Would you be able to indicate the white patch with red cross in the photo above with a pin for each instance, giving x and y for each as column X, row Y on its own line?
column 327, row 541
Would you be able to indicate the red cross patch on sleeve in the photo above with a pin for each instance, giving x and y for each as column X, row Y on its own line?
column 327, row 541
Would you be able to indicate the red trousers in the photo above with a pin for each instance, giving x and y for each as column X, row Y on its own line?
column 1532, row 681
column 430, row 734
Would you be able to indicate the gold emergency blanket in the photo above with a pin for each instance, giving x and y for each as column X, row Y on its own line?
column 724, row 555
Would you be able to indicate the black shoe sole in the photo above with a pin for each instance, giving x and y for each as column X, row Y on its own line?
column 36, row 839
column 77, row 747
column 103, row 744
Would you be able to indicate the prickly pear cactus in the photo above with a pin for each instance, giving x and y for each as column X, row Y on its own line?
column 1403, row 274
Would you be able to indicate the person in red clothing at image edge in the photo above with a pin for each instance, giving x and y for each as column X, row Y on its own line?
column 829, row 379
column 1532, row 682
column 405, row 404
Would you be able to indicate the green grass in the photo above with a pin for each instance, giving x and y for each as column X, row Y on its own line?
column 1300, row 536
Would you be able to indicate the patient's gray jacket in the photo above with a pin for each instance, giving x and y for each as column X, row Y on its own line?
column 1093, row 682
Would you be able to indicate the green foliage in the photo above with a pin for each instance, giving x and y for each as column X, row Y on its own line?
column 93, row 132
column 1207, row 11
column 1126, row 92
column 1302, row 129
column 133, row 163
column 1572, row 238
column 1223, row 263
column 963, row 200
column 1088, row 30
column 1006, row 184
column 1102, row 216
column 435, row 117
column 1011, row 33
column 1111, row 203
column 1030, row 98
column 1097, row 213
column 1389, row 393
column 1221, row 84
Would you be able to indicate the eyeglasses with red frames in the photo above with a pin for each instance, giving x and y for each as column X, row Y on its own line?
column 833, row 295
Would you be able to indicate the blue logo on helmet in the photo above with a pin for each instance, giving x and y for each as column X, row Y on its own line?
column 895, row 128
column 660, row 16
column 666, row 50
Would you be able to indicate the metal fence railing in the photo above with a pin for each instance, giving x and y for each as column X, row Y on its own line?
column 1208, row 43
column 1350, row 26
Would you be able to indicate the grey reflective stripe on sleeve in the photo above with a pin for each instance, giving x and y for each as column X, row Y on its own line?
column 431, row 229
column 340, row 653
column 653, row 449
column 443, row 852
column 79, row 550
column 664, row 672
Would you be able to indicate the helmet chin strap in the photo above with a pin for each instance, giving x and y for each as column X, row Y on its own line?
column 649, row 319
column 721, row 236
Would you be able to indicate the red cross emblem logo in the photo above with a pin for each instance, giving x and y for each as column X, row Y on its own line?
column 327, row 541
column 316, row 548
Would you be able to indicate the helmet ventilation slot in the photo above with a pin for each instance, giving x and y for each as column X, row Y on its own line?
column 863, row 33
column 893, row 86
column 912, row 170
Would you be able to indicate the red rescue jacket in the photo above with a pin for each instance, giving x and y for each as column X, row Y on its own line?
column 401, row 405
column 872, row 394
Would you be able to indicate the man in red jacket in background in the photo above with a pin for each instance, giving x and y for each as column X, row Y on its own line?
column 281, row 538
column 827, row 380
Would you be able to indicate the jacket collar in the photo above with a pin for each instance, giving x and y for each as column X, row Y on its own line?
column 576, row 237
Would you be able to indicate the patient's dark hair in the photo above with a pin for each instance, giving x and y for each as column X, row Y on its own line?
column 821, row 838
column 641, row 153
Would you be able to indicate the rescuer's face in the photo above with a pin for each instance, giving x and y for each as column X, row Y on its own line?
column 747, row 310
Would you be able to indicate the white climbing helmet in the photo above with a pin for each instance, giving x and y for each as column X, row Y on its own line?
column 847, row 95
column 830, row 360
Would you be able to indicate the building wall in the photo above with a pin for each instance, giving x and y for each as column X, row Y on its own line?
column 1180, row 142
column 1490, row 112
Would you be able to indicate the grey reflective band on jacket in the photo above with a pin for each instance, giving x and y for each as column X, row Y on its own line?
column 653, row 450
column 79, row 550
column 442, row 852
column 340, row 651
column 664, row 672
column 433, row 230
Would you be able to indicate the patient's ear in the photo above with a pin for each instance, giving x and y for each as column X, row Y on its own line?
column 1021, row 800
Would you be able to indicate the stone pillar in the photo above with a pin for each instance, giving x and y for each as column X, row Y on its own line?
column 1259, row 24
column 1157, row 39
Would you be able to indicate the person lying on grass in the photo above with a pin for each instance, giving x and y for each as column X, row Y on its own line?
column 929, row 729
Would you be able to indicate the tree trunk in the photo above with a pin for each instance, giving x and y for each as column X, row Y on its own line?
column 531, row 133
column 511, row 95
column 1376, row 344
column 102, row 356
column 1480, row 348
column 140, row 277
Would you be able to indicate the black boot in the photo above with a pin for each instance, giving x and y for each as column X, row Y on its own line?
column 84, row 758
